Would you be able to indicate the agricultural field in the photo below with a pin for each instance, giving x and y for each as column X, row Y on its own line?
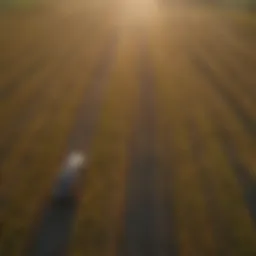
column 162, row 101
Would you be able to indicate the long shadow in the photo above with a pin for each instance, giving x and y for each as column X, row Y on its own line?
column 143, row 234
column 139, row 238
column 52, row 235
column 54, row 229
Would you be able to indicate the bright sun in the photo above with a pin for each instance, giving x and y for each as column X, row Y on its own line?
column 138, row 11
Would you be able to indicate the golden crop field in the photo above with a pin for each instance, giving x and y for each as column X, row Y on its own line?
column 162, row 101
